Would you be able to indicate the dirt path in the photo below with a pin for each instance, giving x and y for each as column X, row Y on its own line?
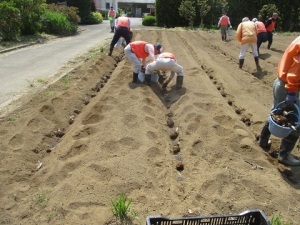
column 98, row 135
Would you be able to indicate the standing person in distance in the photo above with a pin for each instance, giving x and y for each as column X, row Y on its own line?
column 270, row 26
column 261, row 33
column 137, row 52
column 286, row 89
column 122, row 30
column 111, row 17
column 224, row 22
column 247, row 35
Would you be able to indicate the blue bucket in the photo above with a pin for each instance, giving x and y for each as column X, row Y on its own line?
column 282, row 131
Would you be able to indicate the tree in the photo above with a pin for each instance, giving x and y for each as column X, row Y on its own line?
column 10, row 22
column 188, row 11
column 84, row 7
column 167, row 16
column 267, row 11
column 203, row 10
column 31, row 12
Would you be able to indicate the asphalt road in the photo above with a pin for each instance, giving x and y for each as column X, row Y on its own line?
column 20, row 69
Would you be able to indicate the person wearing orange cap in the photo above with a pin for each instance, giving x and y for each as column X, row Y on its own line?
column 286, row 89
column 137, row 52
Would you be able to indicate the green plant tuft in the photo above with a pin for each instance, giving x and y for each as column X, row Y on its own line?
column 121, row 209
column 277, row 220
column 41, row 198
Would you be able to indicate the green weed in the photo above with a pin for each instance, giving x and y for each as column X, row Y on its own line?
column 101, row 49
column 40, row 80
column 277, row 220
column 121, row 209
column 50, row 93
column 49, row 217
column 12, row 118
column 66, row 79
column 41, row 198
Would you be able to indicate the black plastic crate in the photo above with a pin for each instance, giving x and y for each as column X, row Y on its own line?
column 249, row 217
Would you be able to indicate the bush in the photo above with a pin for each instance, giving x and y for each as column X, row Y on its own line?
column 57, row 23
column 149, row 21
column 104, row 14
column 70, row 12
column 84, row 7
column 10, row 22
column 93, row 18
column 31, row 12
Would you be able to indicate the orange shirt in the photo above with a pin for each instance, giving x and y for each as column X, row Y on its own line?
column 224, row 21
column 260, row 27
column 123, row 22
column 111, row 13
column 289, row 67
column 138, row 48
column 271, row 26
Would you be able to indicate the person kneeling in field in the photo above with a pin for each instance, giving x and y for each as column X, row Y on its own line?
column 137, row 52
column 166, row 61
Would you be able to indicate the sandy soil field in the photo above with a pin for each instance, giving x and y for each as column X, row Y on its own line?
column 71, row 148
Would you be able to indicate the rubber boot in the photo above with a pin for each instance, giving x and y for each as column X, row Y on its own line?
column 264, row 137
column 241, row 63
column 257, row 63
column 179, row 82
column 269, row 46
column 286, row 146
column 135, row 77
column 110, row 51
column 148, row 79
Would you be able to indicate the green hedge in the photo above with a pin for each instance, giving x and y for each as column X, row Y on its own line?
column 57, row 23
column 149, row 21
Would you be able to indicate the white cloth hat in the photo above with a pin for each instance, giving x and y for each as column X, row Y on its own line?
column 245, row 19
column 254, row 20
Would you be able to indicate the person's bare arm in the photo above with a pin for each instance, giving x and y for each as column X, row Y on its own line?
column 149, row 48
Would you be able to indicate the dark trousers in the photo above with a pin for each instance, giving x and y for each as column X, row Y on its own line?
column 261, row 37
column 270, row 39
column 121, row 32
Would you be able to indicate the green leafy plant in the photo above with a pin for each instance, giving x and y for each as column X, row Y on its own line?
column 13, row 118
column 66, row 79
column 121, row 209
column 31, row 12
column 149, row 21
column 57, row 23
column 10, row 22
column 40, row 80
column 41, row 198
column 277, row 220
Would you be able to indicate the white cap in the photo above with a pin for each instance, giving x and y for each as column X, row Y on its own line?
column 245, row 19
column 254, row 20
